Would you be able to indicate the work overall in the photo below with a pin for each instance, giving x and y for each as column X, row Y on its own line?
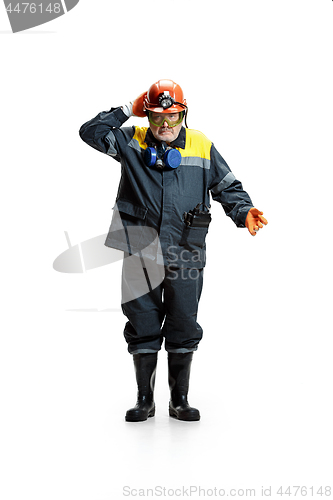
column 148, row 225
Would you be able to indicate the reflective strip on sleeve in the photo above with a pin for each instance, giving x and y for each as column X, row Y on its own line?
column 135, row 145
column 111, row 140
column 225, row 182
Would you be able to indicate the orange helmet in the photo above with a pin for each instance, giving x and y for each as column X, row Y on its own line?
column 164, row 96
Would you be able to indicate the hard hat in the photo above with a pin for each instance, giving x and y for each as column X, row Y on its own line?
column 164, row 96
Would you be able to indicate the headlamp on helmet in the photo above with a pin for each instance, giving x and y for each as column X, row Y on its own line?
column 165, row 100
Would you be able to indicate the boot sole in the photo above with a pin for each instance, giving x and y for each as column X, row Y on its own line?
column 134, row 418
column 187, row 418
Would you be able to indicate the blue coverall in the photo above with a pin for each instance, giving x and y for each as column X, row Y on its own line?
column 153, row 201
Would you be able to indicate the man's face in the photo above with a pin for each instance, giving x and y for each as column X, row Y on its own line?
column 164, row 132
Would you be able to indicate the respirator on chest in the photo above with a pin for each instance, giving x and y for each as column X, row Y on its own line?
column 162, row 156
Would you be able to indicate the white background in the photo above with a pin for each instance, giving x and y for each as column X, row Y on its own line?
column 257, row 76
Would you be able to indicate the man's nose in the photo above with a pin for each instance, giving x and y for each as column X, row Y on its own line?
column 165, row 124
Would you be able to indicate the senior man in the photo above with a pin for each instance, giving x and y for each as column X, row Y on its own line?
column 168, row 173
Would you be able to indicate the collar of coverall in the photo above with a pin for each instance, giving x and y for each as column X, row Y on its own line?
column 177, row 143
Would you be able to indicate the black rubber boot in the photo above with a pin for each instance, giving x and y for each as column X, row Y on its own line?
column 179, row 376
column 145, row 371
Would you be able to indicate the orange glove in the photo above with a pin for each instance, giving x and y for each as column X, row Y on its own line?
column 254, row 221
column 137, row 109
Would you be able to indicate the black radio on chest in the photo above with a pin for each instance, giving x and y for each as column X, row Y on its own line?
column 197, row 217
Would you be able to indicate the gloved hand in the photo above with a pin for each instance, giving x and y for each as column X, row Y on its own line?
column 135, row 108
column 254, row 221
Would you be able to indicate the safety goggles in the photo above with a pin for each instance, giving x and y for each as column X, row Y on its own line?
column 172, row 119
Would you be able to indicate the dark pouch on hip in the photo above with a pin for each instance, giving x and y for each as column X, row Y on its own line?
column 196, row 227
